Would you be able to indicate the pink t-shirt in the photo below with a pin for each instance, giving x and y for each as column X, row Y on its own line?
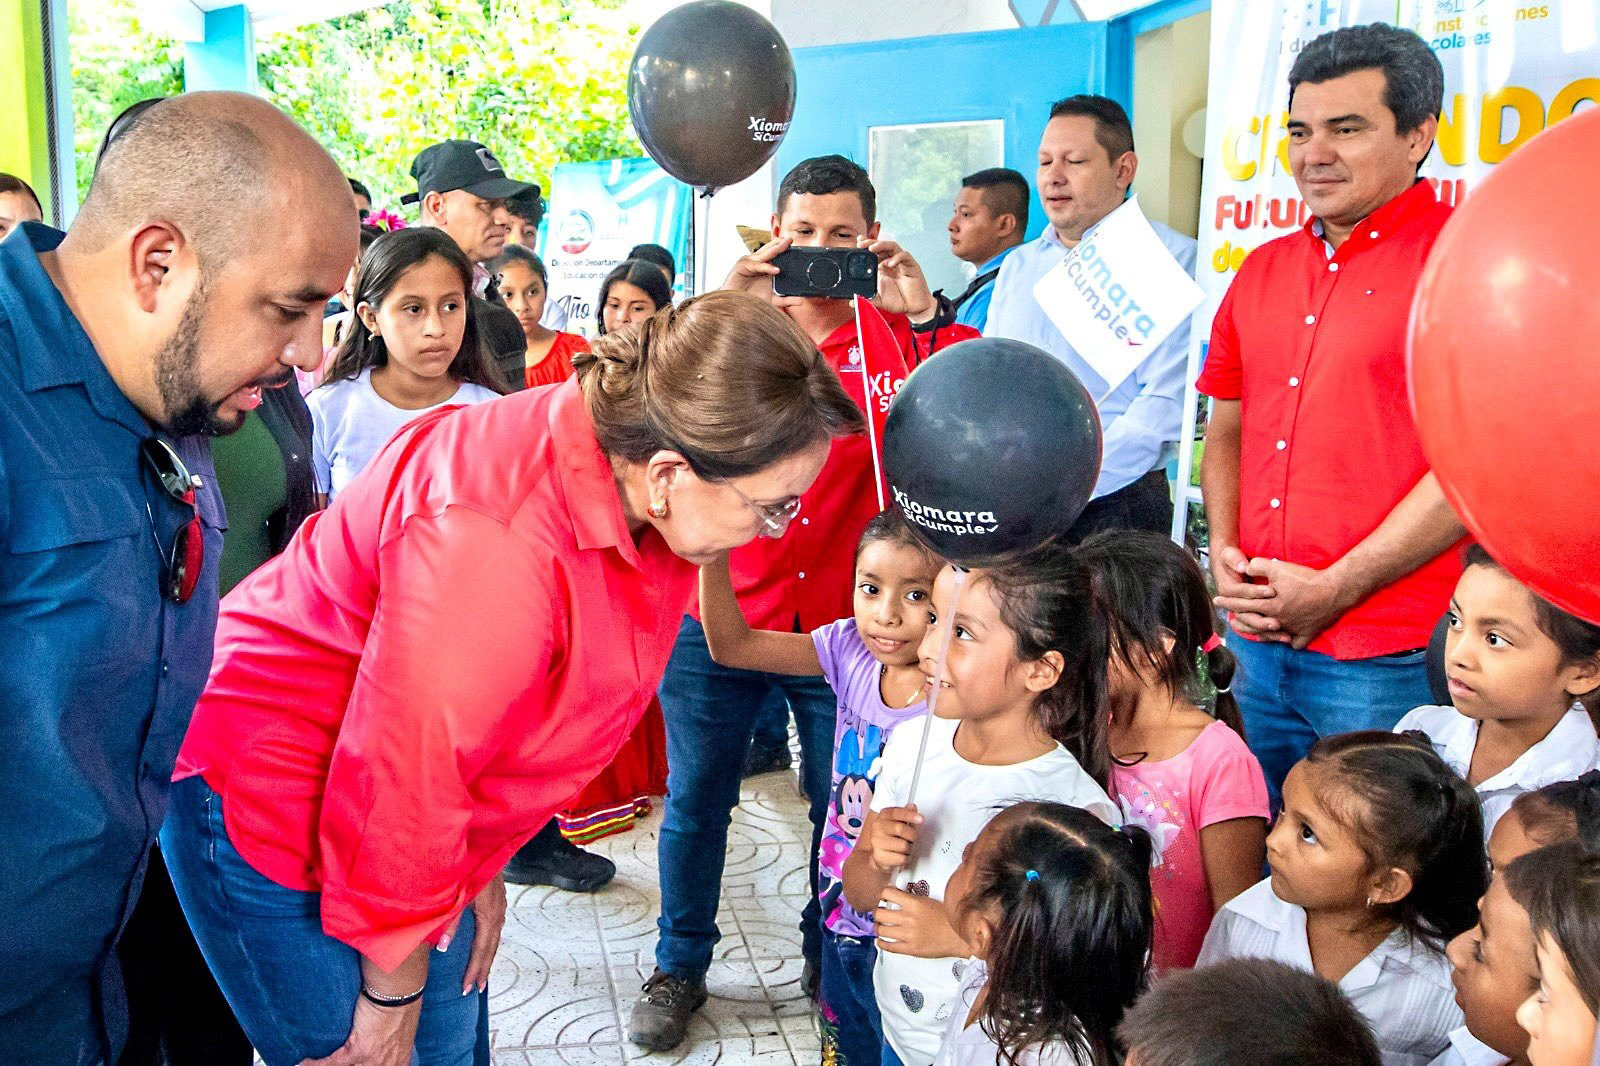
column 1213, row 780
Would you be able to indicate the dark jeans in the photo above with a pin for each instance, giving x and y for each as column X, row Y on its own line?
column 291, row 985
column 176, row 1013
column 847, row 1002
column 1290, row 699
column 710, row 717
column 772, row 724
column 1145, row 504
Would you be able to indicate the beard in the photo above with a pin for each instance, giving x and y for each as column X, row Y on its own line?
column 178, row 381
column 178, row 378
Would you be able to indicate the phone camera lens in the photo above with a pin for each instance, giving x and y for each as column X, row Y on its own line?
column 860, row 267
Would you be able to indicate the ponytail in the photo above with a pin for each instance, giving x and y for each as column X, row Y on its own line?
column 1152, row 591
column 1410, row 811
column 1072, row 940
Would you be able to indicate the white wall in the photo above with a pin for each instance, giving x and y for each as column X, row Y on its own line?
column 1169, row 85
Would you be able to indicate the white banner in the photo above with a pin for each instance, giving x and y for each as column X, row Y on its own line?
column 1118, row 294
column 1510, row 70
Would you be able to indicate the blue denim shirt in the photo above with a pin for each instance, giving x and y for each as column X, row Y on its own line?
column 100, row 670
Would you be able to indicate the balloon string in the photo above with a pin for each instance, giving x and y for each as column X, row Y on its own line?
column 938, row 681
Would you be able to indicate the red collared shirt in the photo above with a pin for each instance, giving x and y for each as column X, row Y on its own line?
column 806, row 578
column 1314, row 348
column 435, row 664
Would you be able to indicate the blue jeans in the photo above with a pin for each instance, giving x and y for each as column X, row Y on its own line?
column 847, row 1002
column 291, row 985
column 710, row 714
column 888, row 1057
column 1290, row 699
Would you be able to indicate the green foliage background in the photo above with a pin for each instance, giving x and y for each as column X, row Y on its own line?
column 538, row 81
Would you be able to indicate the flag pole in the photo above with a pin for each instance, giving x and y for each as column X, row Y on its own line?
column 872, row 433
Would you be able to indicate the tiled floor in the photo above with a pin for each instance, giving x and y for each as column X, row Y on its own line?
column 570, row 965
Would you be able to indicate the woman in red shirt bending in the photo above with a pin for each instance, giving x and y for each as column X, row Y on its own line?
column 450, row 652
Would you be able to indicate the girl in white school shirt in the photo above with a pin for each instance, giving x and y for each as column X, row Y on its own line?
column 1518, row 668
column 1377, row 862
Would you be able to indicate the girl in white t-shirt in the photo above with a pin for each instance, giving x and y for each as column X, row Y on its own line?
column 417, row 348
column 1058, row 910
column 1522, row 671
column 1020, row 716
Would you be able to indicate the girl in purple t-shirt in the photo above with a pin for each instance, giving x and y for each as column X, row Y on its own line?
column 1183, row 775
column 870, row 660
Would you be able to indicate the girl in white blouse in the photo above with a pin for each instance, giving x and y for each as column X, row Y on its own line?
column 1522, row 671
column 1377, row 862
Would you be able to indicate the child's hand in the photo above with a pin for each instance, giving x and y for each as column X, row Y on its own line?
column 894, row 834
column 917, row 926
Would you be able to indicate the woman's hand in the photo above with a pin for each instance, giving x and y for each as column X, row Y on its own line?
column 489, row 911
column 379, row 1036
column 918, row 926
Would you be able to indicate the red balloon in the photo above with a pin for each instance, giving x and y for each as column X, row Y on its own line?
column 1505, row 363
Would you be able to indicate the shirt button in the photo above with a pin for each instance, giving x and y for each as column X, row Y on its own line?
column 805, row 521
column 1310, row 319
column 165, row 668
column 1282, row 444
column 802, row 575
column 1333, row 268
column 1373, row 234
column 1276, row 502
column 1294, row 382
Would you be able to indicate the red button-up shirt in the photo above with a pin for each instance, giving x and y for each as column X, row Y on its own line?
column 435, row 664
column 806, row 578
column 1314, row 348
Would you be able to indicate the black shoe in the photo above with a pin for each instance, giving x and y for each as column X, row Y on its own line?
column 552, row 859
column 767, row 760
column 660, row 1017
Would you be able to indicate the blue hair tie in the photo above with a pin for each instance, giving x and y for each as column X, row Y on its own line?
column 1033, row 875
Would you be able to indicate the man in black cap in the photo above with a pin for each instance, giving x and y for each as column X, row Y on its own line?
column 463, row 191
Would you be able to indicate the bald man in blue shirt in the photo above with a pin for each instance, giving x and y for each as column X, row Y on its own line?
column 156, row 319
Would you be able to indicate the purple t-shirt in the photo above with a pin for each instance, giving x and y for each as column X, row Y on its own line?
column 861, row 728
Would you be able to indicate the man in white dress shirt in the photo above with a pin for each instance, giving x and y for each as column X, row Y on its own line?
column 1086, row 165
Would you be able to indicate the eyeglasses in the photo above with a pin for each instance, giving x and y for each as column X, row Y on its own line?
column 775, row 518
column 182, row 565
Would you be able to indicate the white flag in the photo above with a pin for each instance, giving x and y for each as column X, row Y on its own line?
column 1118, row 294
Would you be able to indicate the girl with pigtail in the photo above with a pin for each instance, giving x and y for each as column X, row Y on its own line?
column 1057, row 908
column 1180, row 771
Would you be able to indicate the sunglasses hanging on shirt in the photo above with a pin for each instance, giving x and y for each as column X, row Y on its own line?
column 182, row 565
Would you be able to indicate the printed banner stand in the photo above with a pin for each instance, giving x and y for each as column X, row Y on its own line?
column 598, row 212
column 1118, row 294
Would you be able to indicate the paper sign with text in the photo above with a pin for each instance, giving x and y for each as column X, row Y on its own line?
column 1118, row 295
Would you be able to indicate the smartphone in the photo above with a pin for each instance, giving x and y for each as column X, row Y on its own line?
column 829, row 273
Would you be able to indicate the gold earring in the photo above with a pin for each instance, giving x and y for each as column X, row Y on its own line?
column 658, row 509
column 1369, row 903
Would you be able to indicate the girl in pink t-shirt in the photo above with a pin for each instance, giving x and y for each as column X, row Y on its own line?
column 1179, row 772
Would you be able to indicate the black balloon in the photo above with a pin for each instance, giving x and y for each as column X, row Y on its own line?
column 711, row 91
column 992, row 448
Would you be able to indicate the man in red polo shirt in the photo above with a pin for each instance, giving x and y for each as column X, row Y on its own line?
column 799, row 581
column 1331, row 542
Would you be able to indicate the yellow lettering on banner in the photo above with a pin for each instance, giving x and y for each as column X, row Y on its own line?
column 1238, row 169
column 1493, row 146
column 1452, row 136
column 1565, row 102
